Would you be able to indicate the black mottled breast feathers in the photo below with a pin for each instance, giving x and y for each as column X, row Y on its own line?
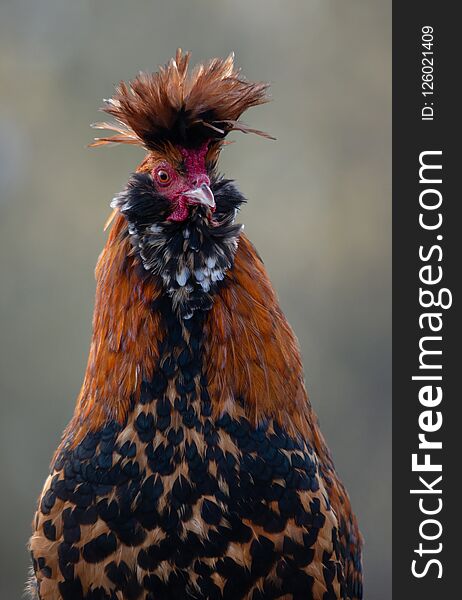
column 176, row 503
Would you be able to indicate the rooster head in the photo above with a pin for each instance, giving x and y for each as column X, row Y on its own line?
column 180, row 213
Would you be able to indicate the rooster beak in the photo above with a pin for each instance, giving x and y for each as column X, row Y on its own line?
column 202, row 195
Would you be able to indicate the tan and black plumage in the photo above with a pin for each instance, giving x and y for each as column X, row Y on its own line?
column 193, row 466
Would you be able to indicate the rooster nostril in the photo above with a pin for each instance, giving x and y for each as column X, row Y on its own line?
column 199, row 181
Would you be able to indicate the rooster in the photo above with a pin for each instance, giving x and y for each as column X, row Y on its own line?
column 193, row 466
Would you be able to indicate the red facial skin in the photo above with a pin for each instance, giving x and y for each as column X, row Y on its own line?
column 174, row 185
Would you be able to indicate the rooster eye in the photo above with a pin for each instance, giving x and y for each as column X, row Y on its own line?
column 163, row 177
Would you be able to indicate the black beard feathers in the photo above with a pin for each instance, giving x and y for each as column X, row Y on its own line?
column 191, row 258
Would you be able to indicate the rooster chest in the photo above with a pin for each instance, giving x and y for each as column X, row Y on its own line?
column 178, row 500
column 191, row 477
column 181, row 494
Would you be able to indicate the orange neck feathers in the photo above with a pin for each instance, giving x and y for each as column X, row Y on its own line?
column 249, row 350
column 126, row 334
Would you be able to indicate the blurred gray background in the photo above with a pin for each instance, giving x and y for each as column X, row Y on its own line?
column 319, row 212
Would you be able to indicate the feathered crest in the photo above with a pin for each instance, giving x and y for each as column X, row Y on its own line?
column 178, row 106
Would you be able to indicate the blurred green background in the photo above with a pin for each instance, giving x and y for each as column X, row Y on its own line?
column 319, row 212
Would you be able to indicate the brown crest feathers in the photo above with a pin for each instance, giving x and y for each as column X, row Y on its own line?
column 180, row 106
